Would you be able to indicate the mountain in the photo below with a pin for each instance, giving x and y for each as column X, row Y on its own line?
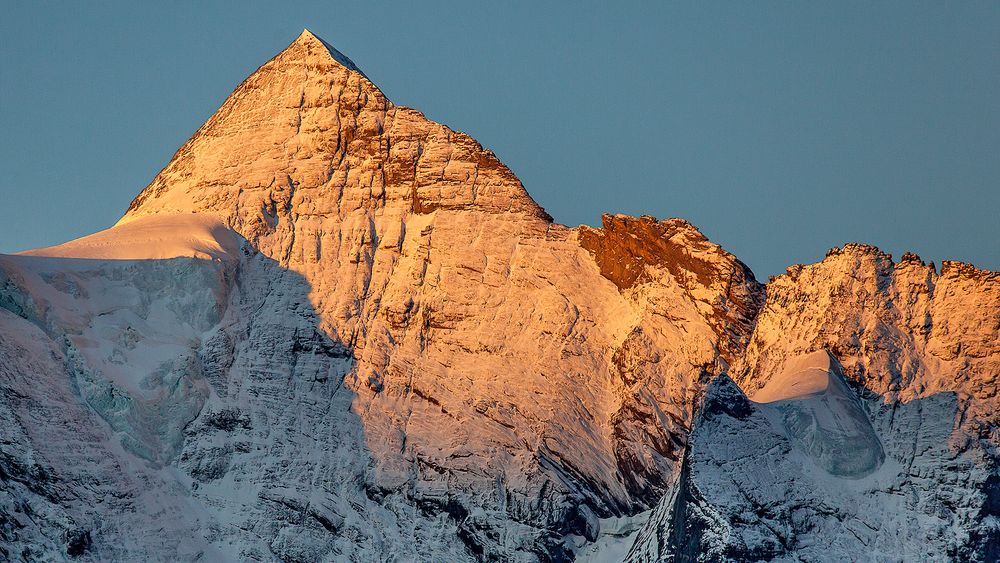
column 863, row 426
column 331, row 329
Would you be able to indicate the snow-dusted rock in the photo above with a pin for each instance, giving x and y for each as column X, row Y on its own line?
column 328, row 312
column 331, row 329
column 801, row 473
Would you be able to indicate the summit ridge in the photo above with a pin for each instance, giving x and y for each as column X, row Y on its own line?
column 332, row 329
column 308, row 36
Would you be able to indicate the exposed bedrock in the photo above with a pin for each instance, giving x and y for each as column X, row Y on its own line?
column 331, row 329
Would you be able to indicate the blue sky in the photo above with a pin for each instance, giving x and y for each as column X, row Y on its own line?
column 780, row 129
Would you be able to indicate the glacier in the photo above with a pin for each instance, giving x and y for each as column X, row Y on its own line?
column 331, row 329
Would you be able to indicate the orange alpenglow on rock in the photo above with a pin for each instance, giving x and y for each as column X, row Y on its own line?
column 332, row 329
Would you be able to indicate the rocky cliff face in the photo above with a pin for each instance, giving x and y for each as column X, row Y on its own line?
column 332, row 329
column 920, row 350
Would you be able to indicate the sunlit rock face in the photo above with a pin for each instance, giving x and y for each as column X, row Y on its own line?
column 404, row 337
column 901, row 329
column 331, row 329
column 870, row 430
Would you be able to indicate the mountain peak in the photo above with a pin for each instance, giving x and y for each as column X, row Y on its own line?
column 309, row 39
column 308, row 134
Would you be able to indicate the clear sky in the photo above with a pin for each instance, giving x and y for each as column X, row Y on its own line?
column 780, row 129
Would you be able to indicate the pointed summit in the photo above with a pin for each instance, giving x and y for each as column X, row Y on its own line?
column 308, row 134
column 308, row 38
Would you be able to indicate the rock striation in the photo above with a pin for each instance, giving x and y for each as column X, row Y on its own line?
column 331, row 329
column 916, row 478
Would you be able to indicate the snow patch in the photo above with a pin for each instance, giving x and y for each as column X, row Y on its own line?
column 822, row 416
column 802, row 377
column 159, row 237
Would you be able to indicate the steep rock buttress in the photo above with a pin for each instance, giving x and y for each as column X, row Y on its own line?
column 330, row 328
column 501, row 376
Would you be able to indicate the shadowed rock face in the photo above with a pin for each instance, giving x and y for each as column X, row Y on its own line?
column 919, row 351
column 497, row 384
column 755, row 487
column 822, row 416
column 398, row 355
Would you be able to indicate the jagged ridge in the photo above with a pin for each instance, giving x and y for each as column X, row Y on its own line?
column 401, row 335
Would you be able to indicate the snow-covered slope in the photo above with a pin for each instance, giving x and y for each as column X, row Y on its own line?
column 822, row 416
column 403, row 337
column 151, row 238
column 184, row 407
column 331, row 329
column 892, row 455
